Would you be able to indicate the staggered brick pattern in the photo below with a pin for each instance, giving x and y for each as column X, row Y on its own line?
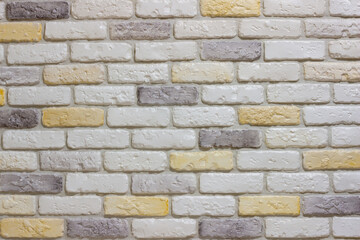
column 161, row 119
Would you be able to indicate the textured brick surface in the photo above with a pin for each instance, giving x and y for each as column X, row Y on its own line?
column 19, row 118
column 37, row 10
column 170, row 95
column 331, row 205
column 140, row 30
column 230, row 138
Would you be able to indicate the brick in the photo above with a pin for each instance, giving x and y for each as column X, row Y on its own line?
column 37, row 10
column 218, row 94
column 331, row 159
column 294, row 50
column 92, row 9
column 268, row 160
column 203, row 206
column 345, row 137
column 331, row 205
column 269, row 205
column 167, row 95
column 231, row 182
column 100, row 52
column 346, row 226
column 138, row 117
column 228, row 8
column 32, row 227
column 231, row 51
column 332, row 71
column 96, row 183
column 2, row 56
column 332, row 28
column 40, row 53
column 87, row 30
column 17, row 205
column 146, row 184
column 19, row 118
column 70, row 161
column 344, row 8
column 230, row 138
column 39, row 96
column 2, row 96
column 18, row 161
column 268, row 72
column 298, row 182
column 331, row 115
column 298, row 93
column 16, row 76
column 98, row 138
column 231, row 228
column 70, row 205
column 201, row 161
column 347, row 93
column 30, row 183
column 2, row 10
column 165, row 51
column 166, row 8
column 289, row 227
column 346, row 181
column 344, row 49
column 140, row 30
column 20, row 32
column 97, row 228
column 74, row 74
column 21, row 139
column 136, row 206
column 135, row 161
column 198, row 29
column 294, row 8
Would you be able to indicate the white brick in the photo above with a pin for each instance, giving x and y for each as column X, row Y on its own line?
column 193, row 29
column 204, row 116
column 344, row 49
column 164, row 139
column 138, row 73
column 98, row 138
column 347, row 227
column 164, row 228
column 347, row 181
column 2, row 11
column 298, row 93
column 297, row 227
column 268, row 160
column 74, row 205
column 94, row 9
column 100, row 52
column 331, row 115
column 109, row 95
column 18, row 161
column 347, row 93
column 91, row 30
column 296, row 137
column 345, row 137
column 20, row 139
column 217, row 94
column 294, row 50
column 2, row 57
column 298, row 182
column 165, row 51
column 135, row 161
column 332, row 28
column 345, row 8
column 138, row 117
column 203, row 206
column 294, row 8
column 270, row 28
column 96, row 183
column 39, row 96
column 37, row 53
column 231, row 182
column 269, row 72
column 166, row 8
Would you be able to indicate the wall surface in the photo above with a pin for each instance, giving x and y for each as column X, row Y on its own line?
column 156, row 119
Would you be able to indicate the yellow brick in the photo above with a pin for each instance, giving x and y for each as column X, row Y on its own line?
column 73, row 117
column 2, row 96
column 17, row 205
column 136, row 206
column 201, row 161
column 32, row 228
column 269, row 205
column 20, row 32
column 230, row 8
column 268, row 116
column 332, row 159
column 74, row 74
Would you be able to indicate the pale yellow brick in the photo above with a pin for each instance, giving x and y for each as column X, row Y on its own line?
column 201, row 161
column 20, row 32
column 270, row 115
column 2, row 96
column 136, row 206
column 230, row 8
column 332, row 159
column 73, row 117
column 17, row 205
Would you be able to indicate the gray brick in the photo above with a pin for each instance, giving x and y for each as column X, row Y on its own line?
column 19, row 118
column 230, row 138
column 163, row 183
column 231, row 51
column 140, row 30
column 37, row 10
column 97, row 228
column 14, row 76
column 331, row 205
column 177, row 95
column 30, row 183
column 231, row 228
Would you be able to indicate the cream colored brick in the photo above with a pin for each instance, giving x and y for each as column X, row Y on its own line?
column 230, row 8
column 94, row 9
column 18, row 161
column 332, row 71
column 332, row 159
column 17, row 205
column 73, row 117
column 20, row 32
column 92, row 30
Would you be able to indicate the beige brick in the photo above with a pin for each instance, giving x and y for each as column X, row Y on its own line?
column 332, row 159
column 230, row 8
column 73, row 117
column 332, row 71
column 17, row 205
column 2, row 96
column 20, row 32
